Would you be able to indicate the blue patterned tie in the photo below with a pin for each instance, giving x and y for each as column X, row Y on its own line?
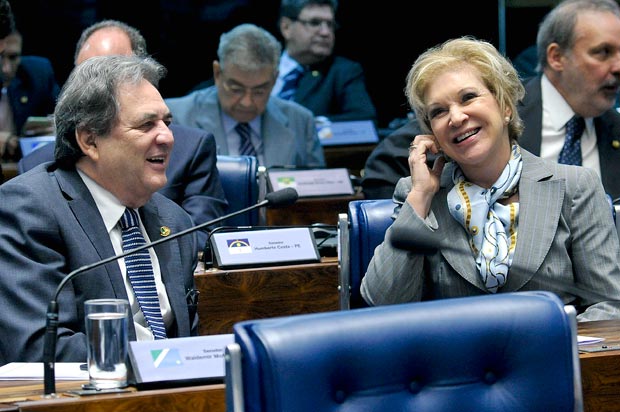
column 140, row 273
column 571, row 152
column 246, row 148
column 290, row 83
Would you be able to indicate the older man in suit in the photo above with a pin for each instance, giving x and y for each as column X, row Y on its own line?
column 239, row 111
column 113, row 147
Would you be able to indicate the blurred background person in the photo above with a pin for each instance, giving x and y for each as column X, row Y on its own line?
column 310, row 73
column 239, row 110
column 29, row 88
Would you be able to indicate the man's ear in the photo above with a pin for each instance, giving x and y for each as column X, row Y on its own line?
column 86, row 140
column 555, row 57
column 285, row 27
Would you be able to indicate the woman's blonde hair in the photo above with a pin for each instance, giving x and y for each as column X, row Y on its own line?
column 497, row 73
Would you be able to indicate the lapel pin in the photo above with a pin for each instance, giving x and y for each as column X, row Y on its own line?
column 164, row 231
column 315, row 73
column 23, row 99
column 615, row 144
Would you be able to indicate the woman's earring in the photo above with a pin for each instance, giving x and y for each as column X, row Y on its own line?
column 507, row 119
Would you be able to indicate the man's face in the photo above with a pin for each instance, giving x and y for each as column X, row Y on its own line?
column 11, row 58
column 131, row 161
column 310, row 38
column 243, row 95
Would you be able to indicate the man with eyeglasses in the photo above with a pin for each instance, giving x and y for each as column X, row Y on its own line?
column 239, row 110
column 328, row 85
column 29, row 88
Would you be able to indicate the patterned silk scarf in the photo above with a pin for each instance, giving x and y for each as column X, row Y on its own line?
column 491, row 226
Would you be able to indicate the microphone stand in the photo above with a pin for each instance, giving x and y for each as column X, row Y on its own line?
column 284, row 196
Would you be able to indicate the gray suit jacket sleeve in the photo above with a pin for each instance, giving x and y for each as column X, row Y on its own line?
column 566, row 243
column 49, row 227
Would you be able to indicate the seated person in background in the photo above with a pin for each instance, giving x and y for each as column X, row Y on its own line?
column 513, row 221
column 193, row 179
column 579, row 48
column 113, row 147
column 388, row 162
column 29, row 88
column 310, row 74
column 239, row 111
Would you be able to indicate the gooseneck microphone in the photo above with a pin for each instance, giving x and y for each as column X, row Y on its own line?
column 428, row 243
column 280, row 198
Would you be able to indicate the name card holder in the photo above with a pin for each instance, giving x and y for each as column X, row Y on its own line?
column 167, row 363
column 312, row 182
column 263, row 247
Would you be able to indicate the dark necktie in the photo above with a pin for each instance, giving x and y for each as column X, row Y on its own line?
column 140, row 273
column 246, row 148
column 571, row 152
column 290, row 83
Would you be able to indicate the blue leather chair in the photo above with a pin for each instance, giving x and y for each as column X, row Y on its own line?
column 238, row 175
column 361, row 230
column 505, row 352
column 239, row 178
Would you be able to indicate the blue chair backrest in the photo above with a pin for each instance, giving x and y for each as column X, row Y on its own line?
column 503, row 352
column 364, row 229
column 239, row 178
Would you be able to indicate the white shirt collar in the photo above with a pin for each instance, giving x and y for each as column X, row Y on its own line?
column 110, row 208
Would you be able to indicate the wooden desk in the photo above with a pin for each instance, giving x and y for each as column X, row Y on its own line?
column 229, row 296
column 27, row 396
column 307, row 211
column 600, row 371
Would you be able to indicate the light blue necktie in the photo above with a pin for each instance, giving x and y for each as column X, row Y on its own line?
column 246, row 148
column 140, row 273
column 290, row 83
column 571, row 152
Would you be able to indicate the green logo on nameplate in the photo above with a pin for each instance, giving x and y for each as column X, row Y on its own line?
column 166, row 358
column 286, row 181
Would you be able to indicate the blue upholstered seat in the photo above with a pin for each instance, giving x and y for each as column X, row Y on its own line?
column 505, row 352
column 362, row 229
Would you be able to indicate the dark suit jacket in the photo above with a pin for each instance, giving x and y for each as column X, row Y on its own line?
column 336, row 89
column 33, row 91
column 607, row 131
column 49, row 227
column 193, row 179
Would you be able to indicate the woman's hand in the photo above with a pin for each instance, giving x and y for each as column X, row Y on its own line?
column 425, row 180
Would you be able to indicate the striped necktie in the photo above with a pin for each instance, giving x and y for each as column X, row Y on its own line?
column 246, row 148
column 140, row 273
column 571, row 152
column 290, row 83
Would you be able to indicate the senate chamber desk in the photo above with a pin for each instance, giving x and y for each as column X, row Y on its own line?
column 600, row 373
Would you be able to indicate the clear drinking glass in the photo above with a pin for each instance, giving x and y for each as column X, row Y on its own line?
column 106, row 332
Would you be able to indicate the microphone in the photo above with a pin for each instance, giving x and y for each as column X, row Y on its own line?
column 280, row 198
column 429, row 243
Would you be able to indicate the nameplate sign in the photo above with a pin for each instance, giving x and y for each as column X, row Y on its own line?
column 237, row 249
column 174, row 362
column 347, row 132
column 313, row 182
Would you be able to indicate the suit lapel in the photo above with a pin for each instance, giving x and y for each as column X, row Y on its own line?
column 86, row 213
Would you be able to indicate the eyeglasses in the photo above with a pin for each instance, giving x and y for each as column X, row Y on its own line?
column 315, row 24
column 238, row 91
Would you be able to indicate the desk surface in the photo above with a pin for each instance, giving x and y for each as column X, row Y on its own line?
column 600, row 376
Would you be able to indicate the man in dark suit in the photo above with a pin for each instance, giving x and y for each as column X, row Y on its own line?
column 578, row 47
column 113, row 147
column 193, row 179
column 330, row 86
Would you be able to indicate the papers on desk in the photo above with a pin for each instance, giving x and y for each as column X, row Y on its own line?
column 587, row 340
column 68, row 371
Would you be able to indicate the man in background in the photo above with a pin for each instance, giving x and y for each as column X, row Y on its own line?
column 239, row 110
column 7, row 26
column 310, row 74
column 29, row 88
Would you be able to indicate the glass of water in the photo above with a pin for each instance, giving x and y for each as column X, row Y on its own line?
column 106, row 333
